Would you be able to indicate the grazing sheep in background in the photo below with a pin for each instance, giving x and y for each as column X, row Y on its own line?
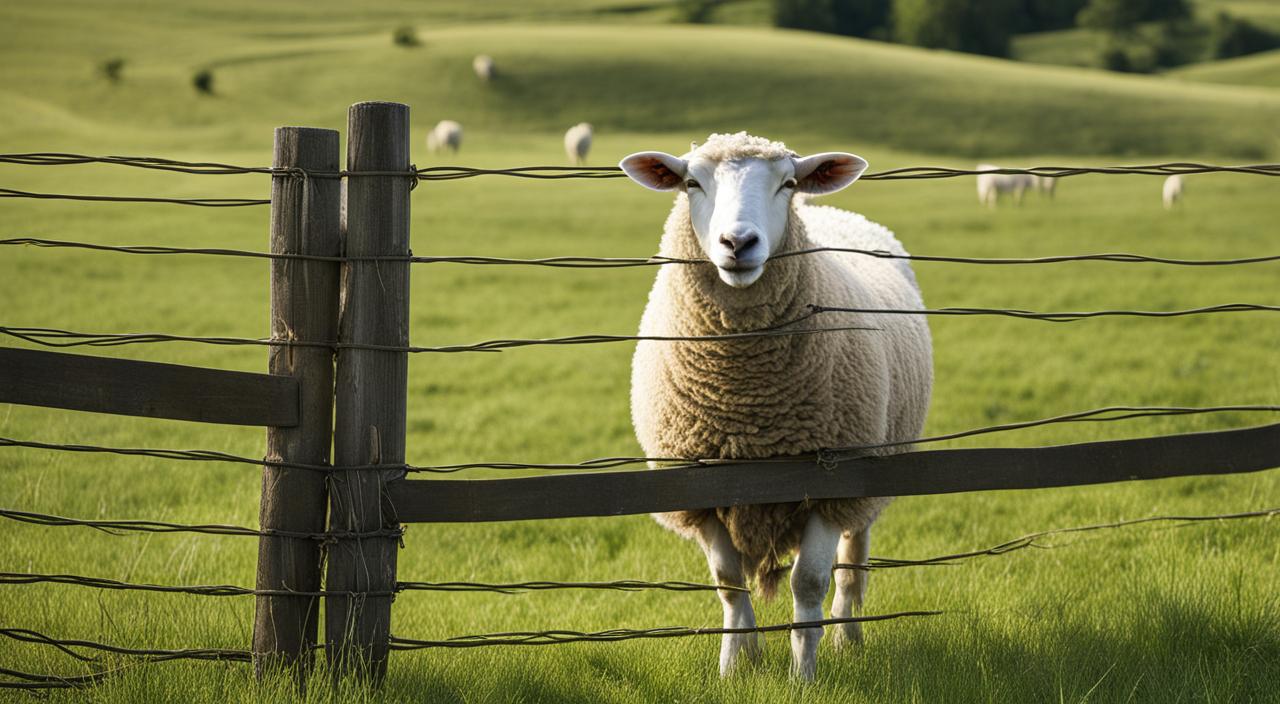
column 741, row 200
column 1046, row 185
column 992, row 186
column 1171, row 193
column 483, row 66
column 447, row 134
column 577, row 143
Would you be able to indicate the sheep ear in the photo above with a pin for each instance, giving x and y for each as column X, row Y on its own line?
column 656, row 170
column 827, row 172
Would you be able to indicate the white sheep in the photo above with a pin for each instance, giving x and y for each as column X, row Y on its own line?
column 447, row 134
column 1046, row 185
column 992, row 186
column 740, row 201
column 483, row 66
column 577, row 143
column 1171, row 193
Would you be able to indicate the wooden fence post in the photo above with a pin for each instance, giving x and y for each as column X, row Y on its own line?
column 304, row 304
column 371, row 388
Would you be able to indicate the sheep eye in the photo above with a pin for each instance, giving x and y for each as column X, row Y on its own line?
column 692, row 184
column 789, row 183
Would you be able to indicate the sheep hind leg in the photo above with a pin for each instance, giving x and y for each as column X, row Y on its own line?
column 851, row 586
column 810, row 580
column 726, row 569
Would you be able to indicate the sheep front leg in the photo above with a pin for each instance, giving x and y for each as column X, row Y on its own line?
column 851, row 586
column 726, row 569
column 810, row 579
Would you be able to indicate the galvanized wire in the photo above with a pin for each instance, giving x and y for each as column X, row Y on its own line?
column 121, row 527
column 624, row 585
column 585, row 262
column 1031, row 540
column 596, row 172
column 558, row 637
column 53, row 337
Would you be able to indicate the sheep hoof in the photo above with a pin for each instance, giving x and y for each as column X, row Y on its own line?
column 847, row 636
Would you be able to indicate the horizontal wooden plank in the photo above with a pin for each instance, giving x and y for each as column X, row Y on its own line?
column 132, row 388
column 914, row 473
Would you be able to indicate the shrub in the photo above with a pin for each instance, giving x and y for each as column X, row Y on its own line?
column 696, row 11
column 1231, row 36
column 203, row 81
column 112, row 69
column 1114, row 58
column 405, row 36
column 977, row 26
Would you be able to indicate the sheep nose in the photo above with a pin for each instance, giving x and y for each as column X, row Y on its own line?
column 739, row 243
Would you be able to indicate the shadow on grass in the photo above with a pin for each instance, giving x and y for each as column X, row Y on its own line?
column 1155, row 650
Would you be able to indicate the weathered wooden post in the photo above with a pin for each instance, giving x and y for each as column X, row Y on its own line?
column 304, row 303
column 371, row 387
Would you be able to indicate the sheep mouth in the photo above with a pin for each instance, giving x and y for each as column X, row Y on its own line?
column 739, row 276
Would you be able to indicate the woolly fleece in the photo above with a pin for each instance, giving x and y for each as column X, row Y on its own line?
column 784, row 395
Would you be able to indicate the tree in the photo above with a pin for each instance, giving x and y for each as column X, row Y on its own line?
column 1123, row 16
column 1231, row 36
column 977, row 26
column 814, row 15
column 852, row 18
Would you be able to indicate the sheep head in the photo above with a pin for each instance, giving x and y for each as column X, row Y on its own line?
column 740, row 189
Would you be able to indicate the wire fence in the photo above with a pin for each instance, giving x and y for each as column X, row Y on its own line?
column 52, row 337
column 586, row 262
column 511, row 638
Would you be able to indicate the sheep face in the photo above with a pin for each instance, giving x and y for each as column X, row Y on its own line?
column 739, row 207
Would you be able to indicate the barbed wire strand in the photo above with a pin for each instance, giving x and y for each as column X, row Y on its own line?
column 121, row 527
column 589, row 172
column 201, row 202
column 147, row 654
column 1106, row 414
column 1030, row 540
column 223, row 590
column 586, row 262
column 550, row 637
column 558, row 637
column 1056, row 316
column 53, row 337
column 629, row 585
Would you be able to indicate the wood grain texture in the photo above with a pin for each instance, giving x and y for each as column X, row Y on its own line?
column 372, row 387
column 913, row 473
column 134, row 388
column 304, row 306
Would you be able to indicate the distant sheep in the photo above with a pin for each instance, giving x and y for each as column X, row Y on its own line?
column 577, row 143
column 1171, row 194
column 447, row 134
column 739, row 201
column 483, row 66
column 1046, row 185
column 992, row 186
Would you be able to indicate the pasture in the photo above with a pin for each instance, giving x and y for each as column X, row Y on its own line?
column 1156, row 613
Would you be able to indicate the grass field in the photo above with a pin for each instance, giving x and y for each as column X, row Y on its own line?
column 1145, row 614
column 1255, row 70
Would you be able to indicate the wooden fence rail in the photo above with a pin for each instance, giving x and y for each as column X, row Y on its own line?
column 907, row 474
column 150, row 389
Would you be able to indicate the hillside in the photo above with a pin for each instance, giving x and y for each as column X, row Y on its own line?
column 667, row 79
column 1257, row 70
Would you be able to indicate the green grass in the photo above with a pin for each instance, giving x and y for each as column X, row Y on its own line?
column 1145, row 614
column 1256, row 70
column 1065, row 47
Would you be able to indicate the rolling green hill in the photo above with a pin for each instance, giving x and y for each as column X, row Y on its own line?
column 680, row 79
column 1257, row 70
